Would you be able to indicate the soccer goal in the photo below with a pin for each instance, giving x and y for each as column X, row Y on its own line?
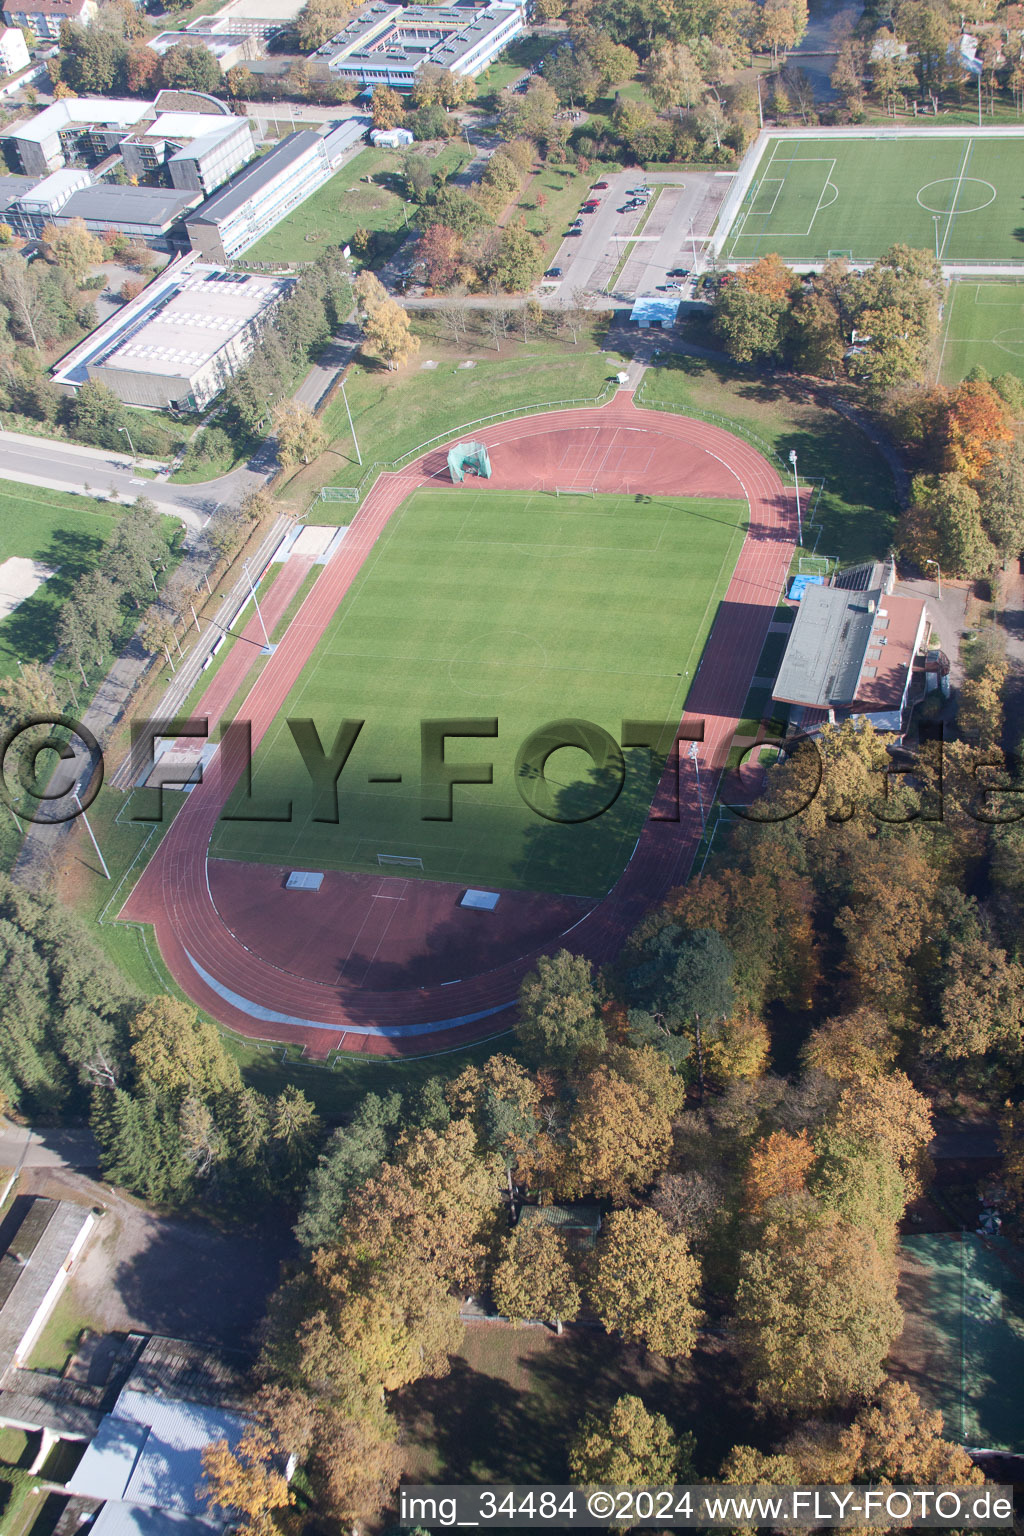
column 339, row 493
column 815, row 565
column 402, row 860
column 572, row 490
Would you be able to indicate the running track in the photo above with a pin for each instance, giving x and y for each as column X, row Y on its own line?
column 234, row 984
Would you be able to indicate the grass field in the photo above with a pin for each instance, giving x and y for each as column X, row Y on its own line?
column 349, row 202
column 64, row 532
column 959, row 196
column 499, row 604
column 983, row 326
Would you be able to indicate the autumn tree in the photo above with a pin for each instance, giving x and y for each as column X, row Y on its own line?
column 620, row 1130
column 673, row 76
column 977, row 422
column 173, row 1050
column 300, row 437
column 851, row 1045
column 644, row 1282
column 630, row 1447
column 534, row 1278
column 388, row 107
column 776, row 1170
column 73, row 247
column 886, row 1112
column 901, row 1441
column 387, row 333
column 440, row 250
column 752, row 312
column 1002, row 498
column 815, row 1314
column 559, row 1018
column 245, row 1480
column 369, row 292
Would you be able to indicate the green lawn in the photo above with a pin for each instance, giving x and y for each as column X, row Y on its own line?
column 494, row 603
column 983, row 326
column 396, row 412
column 856, row 506
column 61, row 531
column 348, row 202
column 809, row 197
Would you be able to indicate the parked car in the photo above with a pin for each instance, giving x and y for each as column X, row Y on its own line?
column 590, row 208
column 599, row 186
column 553, row 272
column 679, row 272
column 573, row 231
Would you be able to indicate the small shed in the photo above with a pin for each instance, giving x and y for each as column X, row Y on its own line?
column 654, row 310
column 578, row 1224
column 390, row 138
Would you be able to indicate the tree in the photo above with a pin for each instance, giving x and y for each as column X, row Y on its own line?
column 944, row 523
column 300, row 437
column 519, row 258
column 673, row 76
column 781, row 25
column 245, row 1481
column 629, row 1448
column 388, row 107
column 173, row 1050
column 981, row 1004
column 776, row 1170
column 97, row 415
column 190, row 67
column 980, row 707
column 644, row 1282
column 1002, row 498
column 750, row 318
column 901, row 1442
column 682, row 989
column 851, row 1046
column 816, row 1311
column 534, row 1278
column 73, row 247
column 620, row 1132
column 440, row 250
column 977, row 422
column 240, row 83
column 502, row 1102
column 387, row 332
column 559, row 1019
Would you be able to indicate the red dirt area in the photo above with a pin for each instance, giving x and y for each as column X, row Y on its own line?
column 403, row 982
column 378, row 931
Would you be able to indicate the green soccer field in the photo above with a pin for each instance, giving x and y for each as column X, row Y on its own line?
column 812, row 197
column 527, row 608
column 983, row 326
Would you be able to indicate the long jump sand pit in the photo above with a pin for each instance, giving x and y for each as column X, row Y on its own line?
column 19, row 578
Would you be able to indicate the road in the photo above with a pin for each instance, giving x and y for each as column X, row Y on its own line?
column 46, row 1148
column 71, row 467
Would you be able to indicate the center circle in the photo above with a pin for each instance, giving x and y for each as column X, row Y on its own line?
column 497, row 663
column 970, row 195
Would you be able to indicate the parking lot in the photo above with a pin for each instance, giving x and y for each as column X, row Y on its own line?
column 589, row 261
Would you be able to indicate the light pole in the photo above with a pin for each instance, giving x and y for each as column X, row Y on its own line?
column 256, row 604
column 796, row 488
column 693, row 246
column 348, row 413
column 938, row 569
column 131, row 445
column 81, row 811
column 700, row 792
column 760, row 113
column 935, row 220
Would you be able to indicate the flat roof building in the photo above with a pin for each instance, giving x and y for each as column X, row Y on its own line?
column 654, row 309
column 34, row 1271
column 389, row 44
column 179, row 343
column 267, row 191
column 13, row 50
column 852, row 653
column 148, row 214
column 200, row 152
column 76, row 128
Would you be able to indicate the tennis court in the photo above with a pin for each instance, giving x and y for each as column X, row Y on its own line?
column 527, row 607
column 983, row 326
column 959, row 196
column 967, row 1324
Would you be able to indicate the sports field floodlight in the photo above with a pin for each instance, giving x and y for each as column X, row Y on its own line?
column 935, row 220
column 796, row 487
column 938, row 570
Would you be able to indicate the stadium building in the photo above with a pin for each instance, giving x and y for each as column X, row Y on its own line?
column 390, row 44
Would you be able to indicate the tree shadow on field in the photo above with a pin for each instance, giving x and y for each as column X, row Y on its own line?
column 481, row 1427
column 28, row 632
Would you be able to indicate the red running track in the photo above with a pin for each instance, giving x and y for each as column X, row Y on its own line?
column 596, row 447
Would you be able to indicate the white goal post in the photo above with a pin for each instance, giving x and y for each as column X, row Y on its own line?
column 572, row 490
column 403, row 860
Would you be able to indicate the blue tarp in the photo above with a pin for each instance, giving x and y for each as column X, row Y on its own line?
column 798, row 586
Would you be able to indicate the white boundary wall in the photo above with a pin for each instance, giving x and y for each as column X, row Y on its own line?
column 755, row 154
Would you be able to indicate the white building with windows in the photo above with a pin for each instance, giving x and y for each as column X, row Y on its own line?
column 389, row 44
column 13, row 50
